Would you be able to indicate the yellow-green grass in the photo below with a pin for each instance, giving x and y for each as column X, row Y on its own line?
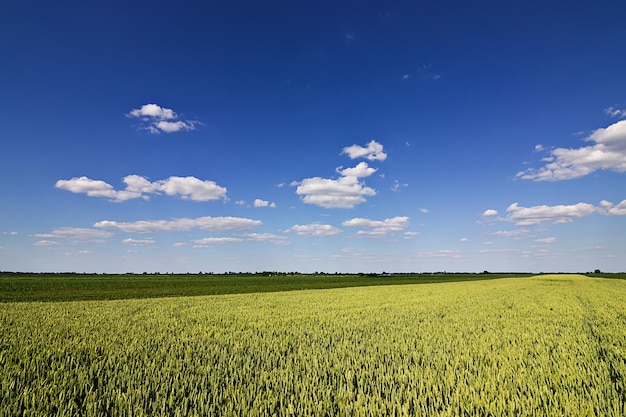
column 548, row 345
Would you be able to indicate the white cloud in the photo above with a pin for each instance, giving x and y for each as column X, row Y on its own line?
column 509, row 233
column 263, row 203
column 608, row 151
column 314, row 229
column 267, row 237
column 215, row 241
column 378, row 227
column 490, row 213
column 344, row 192
column 179, row 244
column 373, row 151
column 45, row 243
column 76, row 233
column 539, row 148
column 443, row 253
column 608, row 208
column 546, row 240
column 503, row 250
column 181, row 224
column 139, row 242
column 424, row 210
column 10, row 233
column 361, row 170
column 84, row 185
column 157, row 119
column 169, row 127
column 464, row 239
column 397, row 186
column 153, row 110
column 189, row 188
column 192, row 188
column 410, row 235
column 529, row 216
column 615, row 112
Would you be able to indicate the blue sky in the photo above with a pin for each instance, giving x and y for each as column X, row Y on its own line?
column 313, row 136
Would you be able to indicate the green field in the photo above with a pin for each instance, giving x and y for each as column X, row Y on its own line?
column 75, row 287
column 546, row 345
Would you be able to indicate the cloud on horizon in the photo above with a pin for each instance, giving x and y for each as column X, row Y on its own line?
column 314, row 229
column 531, row 216
column 181, row 224
column 76, row 233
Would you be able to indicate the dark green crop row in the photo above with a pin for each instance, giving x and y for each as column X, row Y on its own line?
column 76, row 287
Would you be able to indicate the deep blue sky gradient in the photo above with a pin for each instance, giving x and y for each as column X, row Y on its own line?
column 458, row 94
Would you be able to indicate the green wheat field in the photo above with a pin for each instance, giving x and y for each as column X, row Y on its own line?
column 549, row 345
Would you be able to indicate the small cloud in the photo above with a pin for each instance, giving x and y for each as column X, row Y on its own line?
column 153, row 110
column 207, row 241
column 373, row 151
column 76, row 233
column 45, row 243
column 607, row 151
column 464, row 239
column 546, row 240
column 410, row 235
column 10, row 233
column 268, row 237
column 138, row 242
column 424, row 210
column 502, row 250
column 539, row 148
column 181, row 224
column 615, row 112
column 188, row 188
column 559, row 214
column 436, row 77
column 314, row 229
column 179, row 244
column 169, row 127
column 397, row 186
column 509, row 233
column 344, row 192
column 377, row 228
column 262, row 203
column 608, row 208
column 240, row 202
column 443, row 253
column 406, row 76
column 490, row 213
column 157, row 119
